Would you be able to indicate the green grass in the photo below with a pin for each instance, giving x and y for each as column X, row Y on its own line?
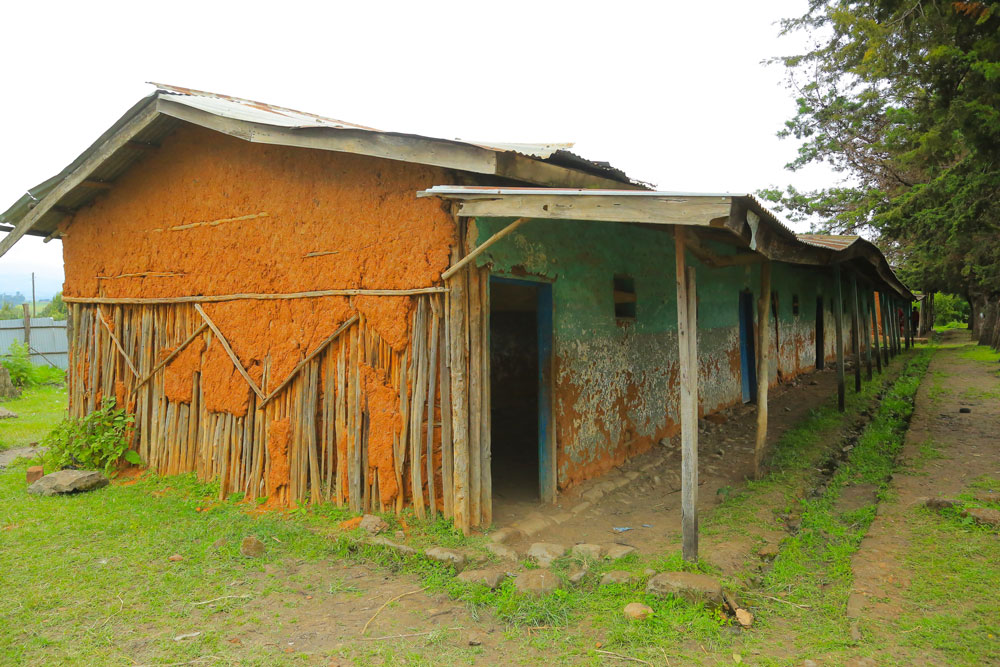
column 981, row 353
column 39, row 409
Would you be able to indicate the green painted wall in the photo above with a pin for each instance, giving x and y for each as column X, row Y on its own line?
column 615, row 385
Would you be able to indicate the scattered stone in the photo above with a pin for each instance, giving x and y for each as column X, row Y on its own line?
column 809, row 663
column 176, row 558
column 616, row 577
column 577, row 573
column 401, row 549
column 537, row 582
column 585, row 550
column 251, row 547
column 373, row 525
column 813, row 383
column 593, row 495
column 446, row 556
column 546, row 552
column 965, row 411
column 984, row 515
column 475, row 642
column 561, row 517
column 506, row 535
column 503, row 551
column 582, row 506
column 691, row 586
column 744, row 618
column 649, row 572
column 7, row 414
column 34, row 474
column 768, row 551
column 219, row 543
column 637, row 611
column 400, row 535
column 616, row 551
column 68, row 481
column 532, row 524
column 984, row 497
column 491, row 578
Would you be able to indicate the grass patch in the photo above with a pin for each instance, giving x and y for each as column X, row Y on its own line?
column 981, row 353
column 39, row 410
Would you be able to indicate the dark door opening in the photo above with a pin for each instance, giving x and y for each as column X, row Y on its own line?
column 520, row 347
column 748, row 356
column 820, row 345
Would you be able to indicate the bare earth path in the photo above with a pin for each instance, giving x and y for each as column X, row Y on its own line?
column 904, row 590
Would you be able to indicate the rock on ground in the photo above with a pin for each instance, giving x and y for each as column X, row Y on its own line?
column 68, row 481
column 637, row 611
column 576, row 574
column 691, row 586
column 373, row 525
column 7, row 414
column 616, row 577
column 616, row 551
column 446, row 556
column 491, row 578
column 503, row 551
column 984, row 515
column 401, row 549
column 536, row 582
column 594, row 551
column 546, row 552
column 251, row 547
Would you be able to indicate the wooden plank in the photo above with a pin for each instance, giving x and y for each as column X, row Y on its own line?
column 856, row 332
column 115, row 142
column 838, row 318
column 874, row 322
column 474, row 352
column 865, row 328
column 459, row 396
column 664, row 210
column 420, row 369
column 447, row 453
column 254, row 296
column 688, row 398
column 432, row 366
column 763, row 366
column 886, row 354
column 229, row 350
column 482, row 247
column 485, row 441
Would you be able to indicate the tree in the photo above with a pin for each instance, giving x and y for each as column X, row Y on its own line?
column 9, row 312
column 56, row 309
column 903, row 99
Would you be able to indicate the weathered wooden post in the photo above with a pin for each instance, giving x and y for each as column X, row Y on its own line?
column 856, row 332
column 27, row 327
column 874, row 322
column 687, row 356
column 866, row 330
column 838, row 318
column 763, row 366
column 885, row 329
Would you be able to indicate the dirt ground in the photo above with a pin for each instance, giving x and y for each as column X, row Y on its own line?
column 648, row 503
column 966, row 448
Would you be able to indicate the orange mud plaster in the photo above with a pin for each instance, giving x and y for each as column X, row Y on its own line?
column 178, row 379
column 385, row 424
column 277, row 447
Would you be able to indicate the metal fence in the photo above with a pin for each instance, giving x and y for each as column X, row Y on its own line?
column 47, row 340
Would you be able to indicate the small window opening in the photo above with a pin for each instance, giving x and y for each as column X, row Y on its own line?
column 624, row 297
column 795, row 304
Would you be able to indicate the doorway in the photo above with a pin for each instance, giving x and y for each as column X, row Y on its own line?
column 520, row 362
column 748, row 356
column 820, row 344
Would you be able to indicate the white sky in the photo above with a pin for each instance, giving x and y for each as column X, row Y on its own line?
column 672, row 92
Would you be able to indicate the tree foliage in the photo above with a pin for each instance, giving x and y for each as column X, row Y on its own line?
column 56, row 308
column 903, row 98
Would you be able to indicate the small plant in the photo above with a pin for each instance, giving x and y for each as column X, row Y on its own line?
column 96, row 442
column 23, row 373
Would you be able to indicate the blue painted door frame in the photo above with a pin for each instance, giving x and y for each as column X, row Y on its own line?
column 748, row 357
column 546, row 429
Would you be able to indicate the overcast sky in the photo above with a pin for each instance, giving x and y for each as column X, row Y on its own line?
column 674, row 93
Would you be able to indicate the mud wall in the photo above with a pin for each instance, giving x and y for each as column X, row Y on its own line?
column 615, row 388
column 209, row 214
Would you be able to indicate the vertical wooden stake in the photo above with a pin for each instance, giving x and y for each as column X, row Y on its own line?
column 763, row 366
column 885, row 328
column 856, row 332
column 459, row 396
column 874, row 337
column 688, row 407
column 866, row 331
column 838, row 318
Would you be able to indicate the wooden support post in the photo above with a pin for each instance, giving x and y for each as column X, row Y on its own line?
column 838, row 318
column 866, row 329
column 885, row 328
column 856, row 332
column 874, row 320
column 763, row 366
column 909, row 325
column 27, row 326
column 459, row 397
column 688, row 402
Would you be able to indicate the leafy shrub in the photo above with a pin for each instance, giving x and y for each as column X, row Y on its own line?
column 96, row 442
column 950, row 308
column 56, row 309
column 23, row 373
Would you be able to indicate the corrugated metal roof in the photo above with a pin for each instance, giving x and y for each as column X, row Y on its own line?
column 832, row 241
